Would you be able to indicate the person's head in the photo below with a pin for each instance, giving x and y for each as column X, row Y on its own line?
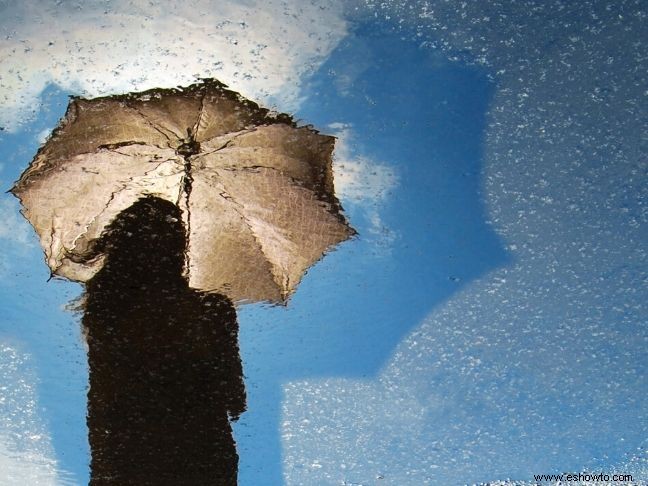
column 147, row 239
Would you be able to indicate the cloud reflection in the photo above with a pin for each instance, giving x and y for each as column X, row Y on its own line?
column 263, row 49
column 26, row 455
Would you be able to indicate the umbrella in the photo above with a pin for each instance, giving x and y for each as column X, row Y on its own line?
column 255, row 191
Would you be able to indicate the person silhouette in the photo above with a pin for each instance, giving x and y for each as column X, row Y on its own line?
column 165, row 371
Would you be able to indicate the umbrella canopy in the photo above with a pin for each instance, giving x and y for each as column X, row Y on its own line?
column 255, row 191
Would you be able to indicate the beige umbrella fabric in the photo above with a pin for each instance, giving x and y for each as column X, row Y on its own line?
column 255, row 190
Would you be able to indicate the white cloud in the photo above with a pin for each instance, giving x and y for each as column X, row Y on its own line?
column 26, row 454
column 26, row 467
column 261, row 49
column 358, row 179
column 13, row 227
column 506, row 380
column 43, row 135
column 362, row 183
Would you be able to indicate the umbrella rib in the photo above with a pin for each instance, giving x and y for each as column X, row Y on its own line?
column 293, row 180
column 235, row 206
column 125, row 143
column 153, row 125
column 113, row 148
column 186, row 187
column 115, row 151
column 52, row 233
column 197, row 125
column 156, row 157
column 226, row 144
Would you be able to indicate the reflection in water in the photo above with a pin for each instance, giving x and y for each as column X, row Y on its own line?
column 165, row 371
